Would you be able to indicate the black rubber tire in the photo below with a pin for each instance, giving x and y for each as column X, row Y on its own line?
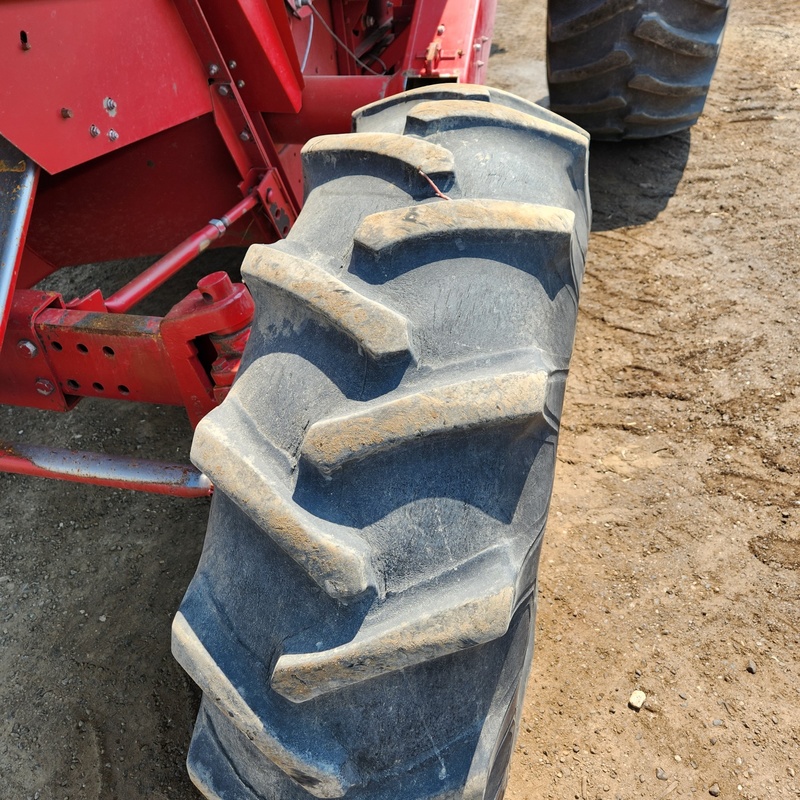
column 632, row 69
column 361, row 621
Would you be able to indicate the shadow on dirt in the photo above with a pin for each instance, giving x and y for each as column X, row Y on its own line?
column 631, row 182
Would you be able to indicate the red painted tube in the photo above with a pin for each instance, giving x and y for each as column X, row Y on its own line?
column 117, row 472
column 163, row 269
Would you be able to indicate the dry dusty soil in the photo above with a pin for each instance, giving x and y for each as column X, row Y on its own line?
column 673, row 548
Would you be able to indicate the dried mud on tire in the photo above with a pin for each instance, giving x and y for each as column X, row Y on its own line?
column 678, row 472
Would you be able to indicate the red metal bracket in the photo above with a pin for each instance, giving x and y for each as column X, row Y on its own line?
column 53, row 355
column 26, row 376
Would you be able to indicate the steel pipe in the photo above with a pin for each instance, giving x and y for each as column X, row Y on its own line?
column 18, row 175
column 118, row 472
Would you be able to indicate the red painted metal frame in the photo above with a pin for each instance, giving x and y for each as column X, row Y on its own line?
column 241, row 127
column 217, row 82
column 55, row 355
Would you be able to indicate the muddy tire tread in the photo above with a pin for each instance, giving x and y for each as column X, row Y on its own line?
column 307, row 606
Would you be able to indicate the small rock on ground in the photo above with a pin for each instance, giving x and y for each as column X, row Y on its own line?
column 636, row 700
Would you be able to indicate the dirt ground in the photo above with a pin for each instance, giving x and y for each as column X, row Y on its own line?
column 673, row 547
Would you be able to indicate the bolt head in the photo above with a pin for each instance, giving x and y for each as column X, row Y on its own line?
column 240, row 84
column 94, row 131
column 244, row 136
column 113, row 135
column 223, row 90
column 231, row 65
column 44, row 387
column 110, row 104
column 440, row 30
column 213, row 69
column 66, row 113
column 27, row 349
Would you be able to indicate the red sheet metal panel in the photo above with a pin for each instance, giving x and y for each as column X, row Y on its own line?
column 86, row 77
column 256, row 41
column 139, row 201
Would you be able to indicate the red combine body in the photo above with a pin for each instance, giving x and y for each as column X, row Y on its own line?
column 125, row 128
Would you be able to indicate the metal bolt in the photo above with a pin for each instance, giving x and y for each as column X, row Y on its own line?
column 223, row 90
column 440, row 30
column 113, row 135
column 213, row 69
column 66, row 113
column 369, row 21
column 27, row 349
column 240, row 84
column 110, row 104
column 477, row 47
column 44, row 387
column 94, row 130
column 231, row 65
column 244, row 136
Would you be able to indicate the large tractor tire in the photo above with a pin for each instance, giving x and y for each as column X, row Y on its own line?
column 361, row 621
column 632, row 69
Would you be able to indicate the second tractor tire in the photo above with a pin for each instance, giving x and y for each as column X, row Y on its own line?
column 632, row 69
